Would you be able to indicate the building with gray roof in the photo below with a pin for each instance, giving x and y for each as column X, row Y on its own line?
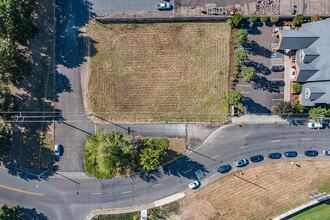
column 311, row 47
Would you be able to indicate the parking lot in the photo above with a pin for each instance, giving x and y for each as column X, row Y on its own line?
column 267, row 89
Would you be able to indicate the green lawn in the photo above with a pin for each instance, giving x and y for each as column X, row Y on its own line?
column 321, row 212
column 126, row 216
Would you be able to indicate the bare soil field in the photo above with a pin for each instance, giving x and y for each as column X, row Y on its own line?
column 261, row 192
column 159, row 72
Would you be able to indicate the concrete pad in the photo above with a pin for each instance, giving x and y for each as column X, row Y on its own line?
column 169, row 199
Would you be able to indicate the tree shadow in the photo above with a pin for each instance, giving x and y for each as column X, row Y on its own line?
column 32, row 213
column 151, row 176
column 259, row 67
column 257, row 49
column 62, row 84
column 255, row 30
column 262, row 83
column 253, row 107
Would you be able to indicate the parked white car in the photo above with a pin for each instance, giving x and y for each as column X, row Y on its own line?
column 194, row 184
column 326, row 152
column 315, row 125
column 161, row 6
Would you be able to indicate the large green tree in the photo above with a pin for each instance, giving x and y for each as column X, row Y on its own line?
column 14, row 64
column 318, row 112
column 4, row 140
column 153, row 154
column 240, row 37
column 237, row 19
column 16, row 20
column 248, row 74
column 283, row 109
column 235, row 97
column 298, row 19
column 7, row 213
column 7, row 102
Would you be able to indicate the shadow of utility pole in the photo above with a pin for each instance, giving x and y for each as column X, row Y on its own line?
column 250, row 182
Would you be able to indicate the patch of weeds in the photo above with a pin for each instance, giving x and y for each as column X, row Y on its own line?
column 324, row 188
column 166, row 211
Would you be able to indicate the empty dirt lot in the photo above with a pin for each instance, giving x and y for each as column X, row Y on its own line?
column 261, row 192
column 159, row 72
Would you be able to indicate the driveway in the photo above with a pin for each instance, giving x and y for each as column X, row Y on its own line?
column 260, row 94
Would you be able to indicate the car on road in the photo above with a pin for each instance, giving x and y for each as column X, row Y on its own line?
column 326, row 152
column 57, row 150
column 276, row 29
column 241, row 163
column 274, row 155
column 224, row 169
column 314, row 125
column 311, row 153
column 290, row 154
column 277, row 68
column 257, row 158
column 194, row 184
column 278, row 83
column 162, row 6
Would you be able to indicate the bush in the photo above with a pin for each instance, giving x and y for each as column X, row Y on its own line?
column 240, row 37
column 232, row 79
column 240, row 55
column 296, row 87
column 236, row 72
column 298, row 108
column 235, row 97
column 298, row 19
column 230, row 22
column 318, row 112
column 237, row 19
column 274, row 19
column 248, row 73
column 264, row 19
column 316, row 17
column 253, row 19
column 283, row 109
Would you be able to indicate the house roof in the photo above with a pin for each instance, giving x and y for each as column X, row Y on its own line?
column 318, row 93
column 296, row 39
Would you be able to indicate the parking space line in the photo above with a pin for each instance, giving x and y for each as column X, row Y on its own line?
column 188, row 171
column 276, row 141
column 157, row 185
column 307, row 139
column 244, row 147
column 97, row 193
column 277, row 99
column 126, row 192
column 214, row 157
column 243, row 85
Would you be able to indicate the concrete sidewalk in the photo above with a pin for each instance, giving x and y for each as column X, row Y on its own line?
column 259, row 119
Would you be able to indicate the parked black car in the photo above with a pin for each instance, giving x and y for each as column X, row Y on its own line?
column 277, row 68
column 311, row 153
column 257, row 158
column 290, row 154
column 274, row 155
column 278, row 83
column 224, row 169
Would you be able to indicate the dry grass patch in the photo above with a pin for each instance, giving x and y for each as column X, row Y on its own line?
column 272, row 190
column 159, row 72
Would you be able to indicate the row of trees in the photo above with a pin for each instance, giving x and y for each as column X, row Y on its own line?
column 285, row 109
column 16, row 29
column 107, row 152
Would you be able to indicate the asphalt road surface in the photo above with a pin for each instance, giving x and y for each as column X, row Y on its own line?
column 63, row 197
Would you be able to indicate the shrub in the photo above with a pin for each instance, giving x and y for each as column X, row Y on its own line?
column 232, row 79
column 240, row 37
column 248, row 73
column 316, row 17
column 237, row 19
column 298, row 20
column 253, row 19
column 296, row 87
column 298, row 108
column 283, row 108
column 240, row 55
column 264, row 19
column 318, row 112
column 236, row 71
column 274, row 19
column 235, row 97
column 230, row 22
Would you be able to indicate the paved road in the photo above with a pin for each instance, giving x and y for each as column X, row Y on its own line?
column 65, row 197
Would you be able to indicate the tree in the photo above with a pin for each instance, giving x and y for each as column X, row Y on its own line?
column 153, row 154
column 240, row 37
column 13, row 64
column 7, row 213
column 16, row 20
column 318, row 112
column 5, row 142
column 248, row 74
column 274, row 19
column 237, row 19
column 296, row 87
column 298, row 19
column 264, row 19
column 235, row 97
column 253, row 19
column 230, row 22
column 316, row 17
column 298, row 108
column 7, row 101
column 240, row 55
column 283, row 109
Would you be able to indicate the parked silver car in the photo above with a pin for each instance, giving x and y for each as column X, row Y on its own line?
column 162, row 6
